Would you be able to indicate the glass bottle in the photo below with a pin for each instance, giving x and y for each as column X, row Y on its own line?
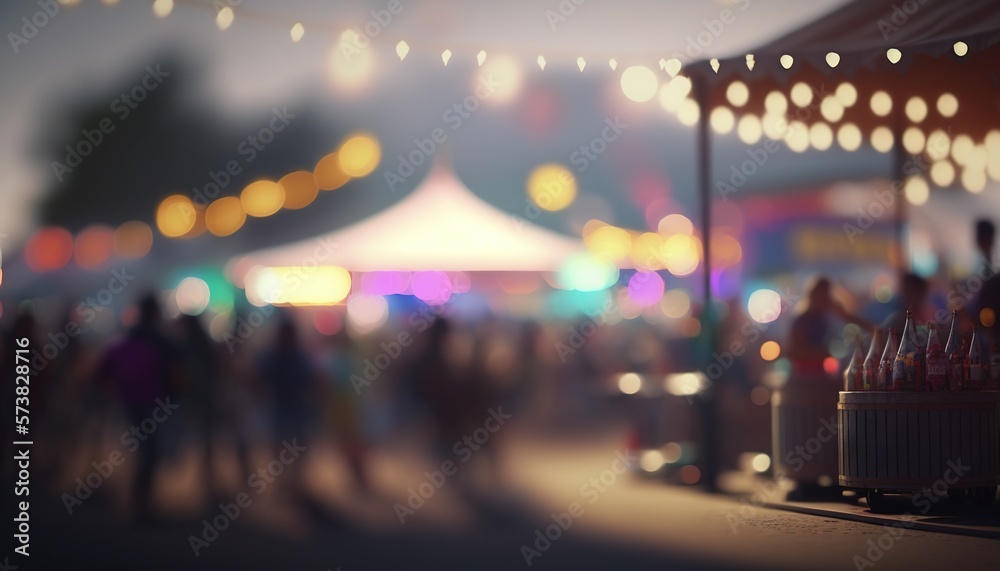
column 936, row 378
column 956, row 364
column 869, row 369
column 919, row 356
column 884, row 379
column 852, row 374
column 976, row 369
column 954, row 353
column 904, row 371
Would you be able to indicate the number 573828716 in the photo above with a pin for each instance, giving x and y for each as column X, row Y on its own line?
column 22, row 386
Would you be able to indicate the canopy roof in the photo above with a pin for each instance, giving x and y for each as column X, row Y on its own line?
column 441, row 225
column 860, row 32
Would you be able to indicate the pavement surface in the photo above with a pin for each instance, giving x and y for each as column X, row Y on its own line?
column 596, row 518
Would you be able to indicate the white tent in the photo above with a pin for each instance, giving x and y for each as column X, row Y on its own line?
column 440, row 226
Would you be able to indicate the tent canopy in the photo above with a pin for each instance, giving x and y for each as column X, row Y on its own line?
column 860, row 32
column 440, row 226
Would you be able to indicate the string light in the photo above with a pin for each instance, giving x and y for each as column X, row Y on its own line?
column 787, row 61
column 297, row 32
column 163, row 8
column 832, row 59
column 613, row 63
column 672, row 66
column 224, row 18
column 481, row 57
column 961, row 48
column 541, row 62
column 445, row 56
column 715, row 64
column 894, row 55
column 581, row 63
column 750, row 62
column 402, row 48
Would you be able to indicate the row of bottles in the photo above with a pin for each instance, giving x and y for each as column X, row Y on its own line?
column 905, row 365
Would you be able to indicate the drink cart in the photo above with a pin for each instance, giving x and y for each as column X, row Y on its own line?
column 907, row 442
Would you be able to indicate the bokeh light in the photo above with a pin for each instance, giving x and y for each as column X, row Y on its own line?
column 586, row 272
column 673, row 94
column 689, row 112
column 551, row 187
column 639, row 83
column 770, row 350
column 385, row 283
column 916, row 190
column 882, row 139
column 192, row 296
column 327, row 322
column 776, row 103
column 675, row 224
column 94, row 246
column 722, row 120
column 737, row 94
column 831, row 366
column 351, row 62
column 262, row 198
column 609, row 242
column 328, row 174
column 764, row 305
column 629, row 383
column 175, row 216
column 914, row 140
column 820, row 136
column 366, row 313
column 360, row 155
column 645, row 288
column 831, row 109
column 133, row 239
column 300, row 189
column 801, row 94
column 505, row 77
column 987, row 317
column 881, row 103
column 849, row 137
column 431, row 287
column 749, row 129
column 225, row 216
column 846, row 94
column 50, row 248
column 676, row 303
column 943, row 173
column 726, row 250
column 947, row 105
column 916, row 109
column 681, row 254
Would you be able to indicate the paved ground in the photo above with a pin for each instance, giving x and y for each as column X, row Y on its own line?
column 626, row 522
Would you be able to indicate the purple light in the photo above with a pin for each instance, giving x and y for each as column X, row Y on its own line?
column 432, row 287
column 384, row 283
column 645, row 288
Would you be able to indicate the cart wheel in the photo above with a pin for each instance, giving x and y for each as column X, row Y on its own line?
column 874, row 498
column 957, row 497
column 984, row 497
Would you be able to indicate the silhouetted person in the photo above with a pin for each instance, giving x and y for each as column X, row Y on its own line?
column 201, row 371
column 437, row 386
column 913, row 294
column 809, row 338
column 140, row 369
column 288, row 374
column 343, row 406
